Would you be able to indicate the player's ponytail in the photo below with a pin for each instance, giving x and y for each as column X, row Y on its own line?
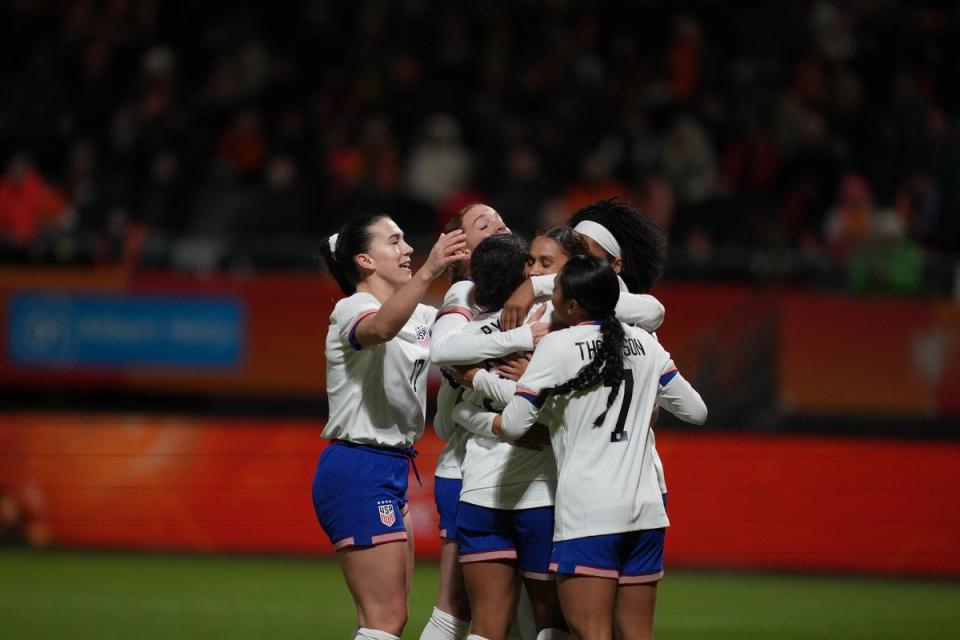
column 593, row 284
column 339, row 249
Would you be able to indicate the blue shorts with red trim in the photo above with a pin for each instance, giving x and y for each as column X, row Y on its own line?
column 633, row 557
column 524, row 536
column 446, row 493
column 360, row 494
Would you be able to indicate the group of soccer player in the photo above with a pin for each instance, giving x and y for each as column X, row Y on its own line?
column 552, row 379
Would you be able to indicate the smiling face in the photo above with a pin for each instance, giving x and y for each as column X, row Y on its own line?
column 388, row 256
column 481, row 222
column 546, row 257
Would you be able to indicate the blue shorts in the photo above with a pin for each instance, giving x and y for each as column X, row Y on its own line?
column 633, row 557
column 525, row 535
column 360, row 494
column 446, row 493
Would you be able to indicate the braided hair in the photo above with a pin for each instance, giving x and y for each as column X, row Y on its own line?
column 354, row 238
column 592, row 282
column 644, row 244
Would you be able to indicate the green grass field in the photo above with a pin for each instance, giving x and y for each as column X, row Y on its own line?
column 112, row 595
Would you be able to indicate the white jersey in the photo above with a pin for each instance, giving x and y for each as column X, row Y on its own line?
column 456, row 311
column 377, row 393
column 451, row 347
column 640, row 309
column 498, row 474
column 607, row 478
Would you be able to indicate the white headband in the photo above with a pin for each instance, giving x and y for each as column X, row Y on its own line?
column 601, row 236
column 333, row 244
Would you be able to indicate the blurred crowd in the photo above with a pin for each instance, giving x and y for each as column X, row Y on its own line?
column 164, row 132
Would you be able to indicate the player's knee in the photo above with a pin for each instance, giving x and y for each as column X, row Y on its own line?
column 456, row 602
column 400, row 613
column 459, row 609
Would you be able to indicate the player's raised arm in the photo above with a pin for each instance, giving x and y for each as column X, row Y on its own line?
column 397, row 309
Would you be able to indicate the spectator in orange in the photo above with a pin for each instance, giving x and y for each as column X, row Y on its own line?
column 28, row 205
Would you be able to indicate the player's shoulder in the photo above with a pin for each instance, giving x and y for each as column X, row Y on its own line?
column 648, row 342
column 353, row 304
column 640, row 334
column 480, row 319
column 425, row 313
column 557, row 338
column 459, row 292
column 459, row 299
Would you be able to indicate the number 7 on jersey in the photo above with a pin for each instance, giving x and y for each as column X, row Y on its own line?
column 619, row 432
column 418, row 366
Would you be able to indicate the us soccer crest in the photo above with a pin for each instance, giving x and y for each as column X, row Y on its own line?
column 387, row 515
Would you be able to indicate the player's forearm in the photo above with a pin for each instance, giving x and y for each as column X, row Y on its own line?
column 518, row 417
column 474, row 419
column 498, row 389
column 462, row 348
column 680, row 398
column 387, row 322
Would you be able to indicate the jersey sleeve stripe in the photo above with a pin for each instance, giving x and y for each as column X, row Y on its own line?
column 352, row 336
column 532, row 397
column 667, row 377
column 466, row 313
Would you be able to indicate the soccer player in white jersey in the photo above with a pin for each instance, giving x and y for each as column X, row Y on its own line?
column 596, row 384
column 377, row 353
column 505, row 516
column 450, row 618
column 634, row 246
column 486, row 485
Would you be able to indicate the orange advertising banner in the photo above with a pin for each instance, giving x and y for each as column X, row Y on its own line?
column 824, row 354
column 843, row 356
column 806, row 504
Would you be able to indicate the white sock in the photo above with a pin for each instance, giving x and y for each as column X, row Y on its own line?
column 373, row 634
column 474, row 636
column 443, row 626
column 553, row 634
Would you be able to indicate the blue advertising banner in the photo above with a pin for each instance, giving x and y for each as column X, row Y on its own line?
column 107, row 331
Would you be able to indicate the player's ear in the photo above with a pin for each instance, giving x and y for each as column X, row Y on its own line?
column 617, row 265
column 364, row 261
